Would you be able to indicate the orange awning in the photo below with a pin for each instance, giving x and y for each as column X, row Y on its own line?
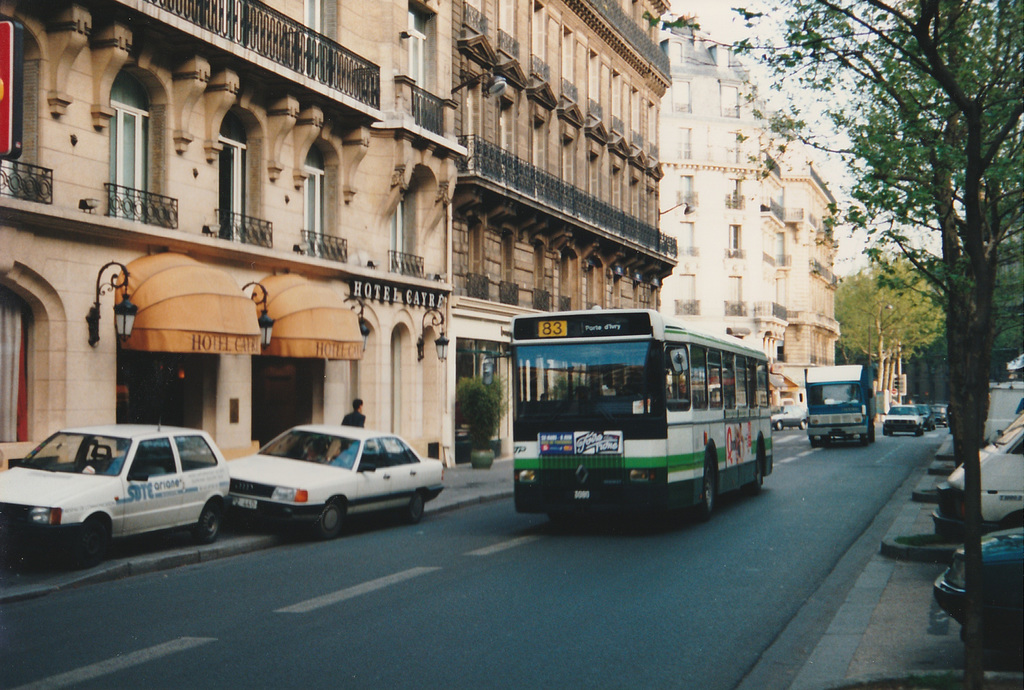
column 187, row 306
column 310, row 320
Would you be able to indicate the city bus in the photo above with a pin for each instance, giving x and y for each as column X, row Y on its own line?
column 628, row 411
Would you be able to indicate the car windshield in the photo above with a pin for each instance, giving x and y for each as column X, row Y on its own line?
column 312, row 446
column 79, row 454
column 903, row 410
column 1011, row 431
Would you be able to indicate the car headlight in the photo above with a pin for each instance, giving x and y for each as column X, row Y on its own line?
column 289, row 495
column 527, row 476
column 45, row 516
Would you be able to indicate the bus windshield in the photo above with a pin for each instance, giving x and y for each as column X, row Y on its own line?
column 585, row 379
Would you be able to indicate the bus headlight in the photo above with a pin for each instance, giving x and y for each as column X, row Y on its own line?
column 641, row 475
column 527, row 476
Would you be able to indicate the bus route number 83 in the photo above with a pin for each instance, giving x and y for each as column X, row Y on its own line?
column 552, row 329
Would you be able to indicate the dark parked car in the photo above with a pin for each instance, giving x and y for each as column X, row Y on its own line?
column 941, row 413
column 928, row 416
column 1002, row 555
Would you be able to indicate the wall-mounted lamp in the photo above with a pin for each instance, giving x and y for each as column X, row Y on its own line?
column 208, row 230
column 88, row 205
column 687, row 209
column 618, row 271
column 494, row 84
column 441, row 343
column 266, row 323
column 404, row 34
column 297, row 248
column 655, row 282
column 124, row 311
column 364, row 327
column 370, row 264
column 638, row 277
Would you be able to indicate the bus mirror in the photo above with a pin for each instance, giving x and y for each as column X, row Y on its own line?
column 678, row 361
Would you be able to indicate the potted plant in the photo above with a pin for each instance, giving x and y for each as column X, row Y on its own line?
column 481, row 406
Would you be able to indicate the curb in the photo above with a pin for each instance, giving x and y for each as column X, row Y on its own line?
column 918, row 554
column 958, row 674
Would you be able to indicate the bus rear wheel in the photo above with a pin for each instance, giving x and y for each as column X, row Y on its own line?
column 709, row 490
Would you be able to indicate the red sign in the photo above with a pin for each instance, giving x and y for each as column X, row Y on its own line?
column 10, row 88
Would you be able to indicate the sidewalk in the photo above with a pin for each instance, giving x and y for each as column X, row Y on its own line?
column 462, row 486
column 890, row 626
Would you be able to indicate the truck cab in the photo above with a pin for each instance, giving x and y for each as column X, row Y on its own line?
column 840, row 404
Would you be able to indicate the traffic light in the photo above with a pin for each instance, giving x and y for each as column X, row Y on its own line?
column 10, row 88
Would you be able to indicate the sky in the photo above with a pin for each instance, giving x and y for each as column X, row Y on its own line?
column 719, row 22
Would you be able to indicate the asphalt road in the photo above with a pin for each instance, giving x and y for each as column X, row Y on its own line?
column 482, row 597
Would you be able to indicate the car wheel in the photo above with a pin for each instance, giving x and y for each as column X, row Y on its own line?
column 91, row 544
column 207, row 527
column 414, row 511
column 778, row 426
column 709, row 488
column 328, row 525
column 919, row 432
column 803, row 423
column 871, row 433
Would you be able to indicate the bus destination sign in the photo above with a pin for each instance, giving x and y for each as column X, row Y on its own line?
column 589, row 325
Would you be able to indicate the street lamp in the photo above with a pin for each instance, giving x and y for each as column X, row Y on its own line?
column 265, row 321
column 364, row 327
column 124, row 311
column 441, row 342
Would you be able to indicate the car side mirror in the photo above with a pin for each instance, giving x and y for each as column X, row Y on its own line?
column 367, row 467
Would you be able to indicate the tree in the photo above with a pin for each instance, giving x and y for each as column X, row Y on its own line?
column 929, row 95
column 886, row 317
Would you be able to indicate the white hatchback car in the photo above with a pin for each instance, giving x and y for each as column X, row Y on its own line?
column 80, row 487
column 322, row 473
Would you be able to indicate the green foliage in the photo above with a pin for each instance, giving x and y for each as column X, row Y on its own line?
column 482, row 406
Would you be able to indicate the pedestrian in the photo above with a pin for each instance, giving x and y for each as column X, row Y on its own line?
column 356, row 416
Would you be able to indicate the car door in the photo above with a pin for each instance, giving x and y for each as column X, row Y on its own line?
column 201, row 476
column 375, row 485
column 153, row 488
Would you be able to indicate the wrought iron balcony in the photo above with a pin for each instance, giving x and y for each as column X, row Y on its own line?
column 427, row 110
column 406, row 264
column 141, row 206
column 773, row 309
column 478, row 286
column 324, row 246
column 618, row 126
column 690, row 251
column 540, row 68
column 735, row 254
column 564, row 303
column 26, row 181
column 507, row 44
column 637, row 36
column 687, row 307
column 783, row 260
column 777, row 210
column 238, row 227
column 735, row 308
column 277, row 37
column 497, row 165
column 541, row 299
column 570, row 91
column 508, row 293
column 732, row 111
column 735, row 202
column 474, row 19
column 594, row 109
column 768, row 258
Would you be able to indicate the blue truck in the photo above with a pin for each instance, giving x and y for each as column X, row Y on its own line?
column 840, row 404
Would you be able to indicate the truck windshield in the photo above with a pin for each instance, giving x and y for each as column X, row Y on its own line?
column 834, row 394
column 585, row 379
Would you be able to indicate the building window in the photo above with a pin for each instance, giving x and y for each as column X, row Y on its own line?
column 398, row 228
column 417, row 45
column 129, row 133
column 313, row 193
column 735, row 232
column 540, row 147
column 314, row 15
column 681, row 96
column 568, row 56
column 232, row 165
column 730, row 101
column 569, row 162
column 686, row 238
column 507, row 127
column 540, row 24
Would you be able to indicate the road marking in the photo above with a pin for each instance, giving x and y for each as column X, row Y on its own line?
column 116, row 664
column 352, row 592
column 510, row 544
column 801, row 454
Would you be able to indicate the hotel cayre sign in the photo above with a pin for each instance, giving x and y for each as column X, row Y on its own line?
column 393, row 293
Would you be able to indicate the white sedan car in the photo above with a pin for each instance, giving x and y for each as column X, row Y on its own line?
column 322, row 473
column 80, row 487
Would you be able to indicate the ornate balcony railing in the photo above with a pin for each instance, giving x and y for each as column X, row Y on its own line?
column 735, row 202
column 141, row 206
column 508, row 293
column 540, row 68
column 257, row 27
column 618, row 126
column 773, row 309
column 689, row 251
column 735, row 254
column 636, row 35
column 474, row 19
column 732, row 111
column 497, row 165
column 768, row 258
column 239, row 227
column 507, row 44
column 687, row 307
column 777, row 210
column 783, row 260
column 564, row 303
column 541, row 299
column 570, row 91
column 26, row 181
column 478, row 286
column 324, row 246
column 406, row 264
column 735, row 308
column 594, row 108
column 427, row 110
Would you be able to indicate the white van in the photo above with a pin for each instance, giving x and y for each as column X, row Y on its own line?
column 1002, row 487
column 1005, row 402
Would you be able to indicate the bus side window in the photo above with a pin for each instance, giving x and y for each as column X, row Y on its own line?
column 698, row 378
column 715, row 379
column 741, row 381
column 677, row 375
column 762, row 384
column 729, row 380
column 752, row 384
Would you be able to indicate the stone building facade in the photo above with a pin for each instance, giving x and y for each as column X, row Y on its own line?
column 221, row 152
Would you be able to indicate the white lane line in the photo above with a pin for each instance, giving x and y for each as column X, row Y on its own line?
column 352, row 592
column 802, row 454
column 510, row 544
column 116, row 664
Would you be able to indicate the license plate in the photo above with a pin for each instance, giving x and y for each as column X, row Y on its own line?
column 249, row 503
column 552, row 329
column 581, row 495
